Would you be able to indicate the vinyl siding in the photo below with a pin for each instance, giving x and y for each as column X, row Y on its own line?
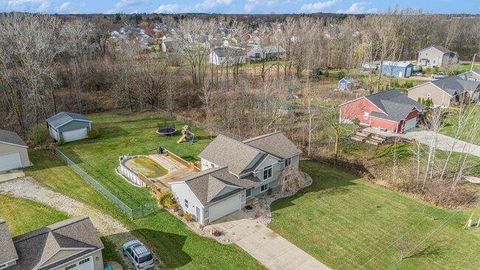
column 181, row 191
column 439, row 97
column 10, row 149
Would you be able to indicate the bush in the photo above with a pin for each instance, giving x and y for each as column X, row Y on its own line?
column 39, row 135
column 181, row 213
column 167, row 200
column 61, row 142
column 93, row 133
column 188, row 217
column 216, row 233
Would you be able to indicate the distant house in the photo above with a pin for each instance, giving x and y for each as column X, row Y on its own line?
column 400, row 69
column 346, row 83
column 266, row 53
column 471, row 75
column 227, row 55
column 389, row 111
column 436, row 56
column 68, row 126
column 447, row 91
column 13, row 151
column 71, row 244
column 232, row 172
column 371, row 65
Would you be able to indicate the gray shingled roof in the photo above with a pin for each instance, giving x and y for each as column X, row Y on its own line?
column 215, row 184
column 7, row 249
column 441, row 48
column 228, row 51
column 225, row 151
column 11, row 137
column 276, row 144
column 62, row 118
column 38, row 246
column 454, row 85
column 395, row 105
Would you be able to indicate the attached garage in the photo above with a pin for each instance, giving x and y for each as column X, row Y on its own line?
column 225, row 207
column 410, row 124
column 68, row 126
column 13, row 151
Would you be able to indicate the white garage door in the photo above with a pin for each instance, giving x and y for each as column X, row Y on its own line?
column 10, row 161
column 412, row 123
column 224, row 208
column 84, row 264
column 74, row 135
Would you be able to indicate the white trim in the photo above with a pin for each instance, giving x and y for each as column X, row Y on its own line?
column 85, row 121
column 40, row 264
column 185, row 183
column 14, row 144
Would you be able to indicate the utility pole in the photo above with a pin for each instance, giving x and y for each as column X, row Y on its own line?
column 473, row 61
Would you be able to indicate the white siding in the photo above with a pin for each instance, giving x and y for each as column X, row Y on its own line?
column 182, row 192
column 207, row 165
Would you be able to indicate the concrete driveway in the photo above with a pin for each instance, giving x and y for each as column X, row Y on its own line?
column 443, row 142
column 269, row 248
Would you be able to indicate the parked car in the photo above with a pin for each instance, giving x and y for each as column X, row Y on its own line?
column 438, row 76
column 138, row 254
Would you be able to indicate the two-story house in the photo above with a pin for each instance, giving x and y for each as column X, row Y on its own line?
column 436, row 56
column 232, row 172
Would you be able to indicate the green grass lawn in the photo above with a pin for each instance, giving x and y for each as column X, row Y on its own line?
column 132, row 134
column 147, row 167
column 174, row 243
column 450, row 124
column 347, row 223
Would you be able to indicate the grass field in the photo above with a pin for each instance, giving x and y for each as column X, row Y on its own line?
column 147, row 167
column 348, row 223
column 132, row 134
column 451, row 124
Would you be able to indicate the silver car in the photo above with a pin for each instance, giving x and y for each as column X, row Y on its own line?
column 138, row 254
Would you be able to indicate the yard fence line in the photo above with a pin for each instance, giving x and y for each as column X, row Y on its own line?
column 140, row 211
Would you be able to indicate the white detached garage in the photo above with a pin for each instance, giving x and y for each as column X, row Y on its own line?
column 68, row 126
column 13, row 151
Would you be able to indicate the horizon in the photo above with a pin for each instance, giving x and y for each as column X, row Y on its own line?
column 230, row 7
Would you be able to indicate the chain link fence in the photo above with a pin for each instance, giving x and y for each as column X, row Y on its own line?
column 138, row 212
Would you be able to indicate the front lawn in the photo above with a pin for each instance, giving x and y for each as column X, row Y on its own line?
column 348, row 223
column 132, row 134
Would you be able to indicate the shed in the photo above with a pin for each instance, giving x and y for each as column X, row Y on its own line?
column 68, row 126
column 13, row 151
column 400, row 69
column 346, row 83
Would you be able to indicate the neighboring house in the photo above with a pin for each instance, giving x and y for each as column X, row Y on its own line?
column 389, row 111
column 447, row 92
column 346, row 83
column 436, row 56
column 13, row 151
column 232, row 172
column 266, row 53
column 471, row 75
column 227, row 55
column 400, row 69
column 68, row 126
column 71, row 244
column 371, row 65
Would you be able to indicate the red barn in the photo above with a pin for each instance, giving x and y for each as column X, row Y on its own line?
column 389, row 111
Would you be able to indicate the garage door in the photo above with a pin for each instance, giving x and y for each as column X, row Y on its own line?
column 10, row 162
column 224, row 207
column 74, row 135
column 412, row 123
column 84, row 264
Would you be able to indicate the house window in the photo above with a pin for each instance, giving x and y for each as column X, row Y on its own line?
column 186, row 203
column 263, row 188
column 288, row 161
column 267, row 172
column 71, row 266
column 84, row 261
column 249, row 192
column 365, row 115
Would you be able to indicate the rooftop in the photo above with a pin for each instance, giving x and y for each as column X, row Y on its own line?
column 11, row 138
column 395, row 105
column 62, row 118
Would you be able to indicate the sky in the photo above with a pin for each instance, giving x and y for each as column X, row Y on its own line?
column 238, row 6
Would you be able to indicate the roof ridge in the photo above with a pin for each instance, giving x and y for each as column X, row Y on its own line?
column 203, row 173
column 49, row 228
column 260, row 137
column 241, row 142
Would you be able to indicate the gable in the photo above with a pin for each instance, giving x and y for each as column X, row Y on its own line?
column 268, row 161
column 62, row 254
column 73, row 125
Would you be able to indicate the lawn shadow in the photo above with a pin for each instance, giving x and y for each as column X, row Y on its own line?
column 108, row 132
column 427, row 251
column 168, row 247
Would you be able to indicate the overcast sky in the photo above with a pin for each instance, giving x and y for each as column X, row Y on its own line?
column 242, row 6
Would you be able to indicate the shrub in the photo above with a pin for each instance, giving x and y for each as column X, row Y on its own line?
column 188, row 217
column 181, row 213
column 167, row 200
column 356, row 121
column 93, row 133
column 61, row 142
column 216, row 233
column 39, row 135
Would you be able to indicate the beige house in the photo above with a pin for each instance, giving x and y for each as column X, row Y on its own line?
column 13, row 151
column 71, row 244
column 436, row 56
column 446, row 92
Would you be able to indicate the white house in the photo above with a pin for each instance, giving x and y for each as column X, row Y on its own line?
column 471, row 75
column 227, row 55
column 266, row 53
column 68, row 126
column 13, row 151
column 436, row 56
column 232, row 172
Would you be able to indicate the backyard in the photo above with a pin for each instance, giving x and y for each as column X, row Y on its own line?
column 469, row 121
column 349, row 223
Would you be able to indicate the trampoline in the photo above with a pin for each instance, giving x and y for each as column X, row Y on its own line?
column 166, row 131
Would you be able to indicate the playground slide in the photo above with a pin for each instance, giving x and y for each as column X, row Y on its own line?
column 181, row 138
